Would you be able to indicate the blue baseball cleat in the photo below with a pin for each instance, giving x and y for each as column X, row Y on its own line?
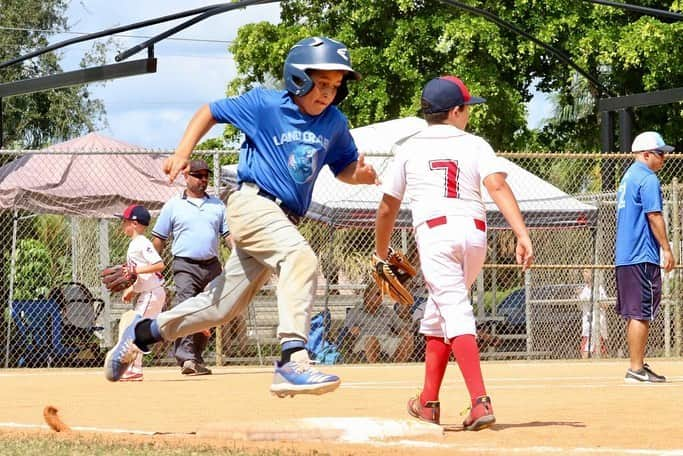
column 299, row 377
column 124, row 352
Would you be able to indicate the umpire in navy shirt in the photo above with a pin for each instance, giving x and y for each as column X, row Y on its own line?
column 195, row 221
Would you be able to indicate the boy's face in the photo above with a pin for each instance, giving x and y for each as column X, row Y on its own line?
column 128, row 227
column 461, row 116
column 325, row 85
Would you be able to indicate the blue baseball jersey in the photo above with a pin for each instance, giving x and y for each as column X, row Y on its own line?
column 639, row 193
column 285, row 149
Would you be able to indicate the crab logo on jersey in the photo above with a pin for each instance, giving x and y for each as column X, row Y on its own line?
column 302, row 162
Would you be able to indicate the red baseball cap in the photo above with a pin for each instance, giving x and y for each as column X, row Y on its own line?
column 446, row 92
column 136, row 212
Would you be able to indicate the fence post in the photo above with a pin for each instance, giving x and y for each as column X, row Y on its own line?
column 13, row 265
column 676, row 239
column 216, row 187
column 666, row 296
column 595, row 293
column 527, row 312
column 106, row 296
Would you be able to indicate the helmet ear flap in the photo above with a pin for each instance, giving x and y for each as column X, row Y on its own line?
column 298, row 82
column 342, row 92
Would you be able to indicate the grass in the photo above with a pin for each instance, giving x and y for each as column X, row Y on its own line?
column 50, row 444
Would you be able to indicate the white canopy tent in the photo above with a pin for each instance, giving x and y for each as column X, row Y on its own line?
column 339, row 204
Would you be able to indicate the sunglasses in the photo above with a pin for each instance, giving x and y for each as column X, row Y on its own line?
column 200, row 175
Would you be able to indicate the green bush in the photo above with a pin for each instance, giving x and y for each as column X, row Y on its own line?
column 33, row 270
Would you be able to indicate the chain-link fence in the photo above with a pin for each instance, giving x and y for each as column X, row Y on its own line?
column 58, row 232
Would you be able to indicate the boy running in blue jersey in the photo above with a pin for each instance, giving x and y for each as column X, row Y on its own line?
column 289, row 136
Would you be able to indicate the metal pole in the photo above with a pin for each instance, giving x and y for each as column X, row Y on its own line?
column 13, row 265
column 219, row 328
column 2, row 135
column 595, row 293
column 607, row 146
column 625, row 129
column 527, row 312
column 666, row 297
column 676, row 239
column 106, row 296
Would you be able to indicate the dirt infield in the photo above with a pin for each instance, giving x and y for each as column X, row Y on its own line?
column 541, row 407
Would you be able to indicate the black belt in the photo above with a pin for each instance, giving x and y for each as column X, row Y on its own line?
column 291, row 215
column 199, row 262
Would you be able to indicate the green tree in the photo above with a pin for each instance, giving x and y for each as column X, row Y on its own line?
column 33, row 267
column 400, row 45
column 37, row 119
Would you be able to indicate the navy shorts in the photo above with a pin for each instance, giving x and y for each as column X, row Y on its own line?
column 639, row 291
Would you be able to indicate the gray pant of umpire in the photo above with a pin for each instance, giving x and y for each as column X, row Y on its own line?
column 191, row 277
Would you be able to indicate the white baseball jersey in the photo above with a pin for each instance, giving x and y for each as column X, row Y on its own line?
column 440, row 170
column 141, row 252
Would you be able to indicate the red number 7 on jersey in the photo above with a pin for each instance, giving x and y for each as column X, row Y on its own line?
column 451, row 175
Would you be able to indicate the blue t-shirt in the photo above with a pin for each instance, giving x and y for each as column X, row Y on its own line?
column 639, row 193
column 285, row 149
column 195, row 228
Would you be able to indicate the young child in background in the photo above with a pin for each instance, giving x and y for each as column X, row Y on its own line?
column 143, row 260
column 599, row 320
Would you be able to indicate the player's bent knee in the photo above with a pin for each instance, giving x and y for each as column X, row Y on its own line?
column 304, row 261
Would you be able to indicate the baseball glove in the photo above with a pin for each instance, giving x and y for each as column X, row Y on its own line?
column 391, row 275
column 117, row 278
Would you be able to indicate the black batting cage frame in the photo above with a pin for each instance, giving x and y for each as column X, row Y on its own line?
column 609, row 104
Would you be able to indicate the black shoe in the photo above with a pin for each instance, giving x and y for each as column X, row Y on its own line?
column 660, row 378
column 644, row 375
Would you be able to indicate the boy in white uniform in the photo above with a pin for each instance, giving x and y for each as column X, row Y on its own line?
column 143, row 260
column 441, row 170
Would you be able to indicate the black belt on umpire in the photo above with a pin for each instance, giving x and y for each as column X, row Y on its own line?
column 199, row 262
column 291, row 215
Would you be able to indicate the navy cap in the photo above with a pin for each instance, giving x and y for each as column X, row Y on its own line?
column 445, row 93
column 136, row 212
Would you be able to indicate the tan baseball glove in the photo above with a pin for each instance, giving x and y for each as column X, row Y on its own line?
column 392, row 274
column 117, row 278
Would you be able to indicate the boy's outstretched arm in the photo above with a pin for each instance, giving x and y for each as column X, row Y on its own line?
column 201, row 122
column 502, row 195
column 359, row 172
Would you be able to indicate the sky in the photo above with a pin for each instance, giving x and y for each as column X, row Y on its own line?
column 152, row 110
column 194, row 68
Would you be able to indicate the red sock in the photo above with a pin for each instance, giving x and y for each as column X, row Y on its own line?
column 436, row 360
column 466, row 353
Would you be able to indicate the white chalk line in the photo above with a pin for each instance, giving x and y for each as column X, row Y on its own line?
column 77, row 428
column 357, row 437
column 530, row 449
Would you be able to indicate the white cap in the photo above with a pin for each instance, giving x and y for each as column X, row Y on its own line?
column 650, row 140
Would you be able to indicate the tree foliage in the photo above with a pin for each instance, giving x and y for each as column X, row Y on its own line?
column 399, row 45
column 37, row 119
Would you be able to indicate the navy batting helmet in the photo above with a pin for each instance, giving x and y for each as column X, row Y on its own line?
column 317, row 53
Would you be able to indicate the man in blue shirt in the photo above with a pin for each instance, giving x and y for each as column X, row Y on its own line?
column 289, row 136
column 641, row 233
column 195, row 221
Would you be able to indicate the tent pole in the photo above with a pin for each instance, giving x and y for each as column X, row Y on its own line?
column 13, row 264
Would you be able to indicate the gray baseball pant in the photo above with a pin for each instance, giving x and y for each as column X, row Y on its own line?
column 190, row 278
